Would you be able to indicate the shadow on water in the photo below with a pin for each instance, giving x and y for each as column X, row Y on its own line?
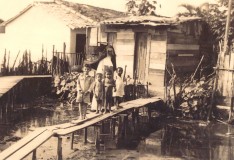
column 198, row 141
column 25, row 117
column 161, row 138
column 165, row 138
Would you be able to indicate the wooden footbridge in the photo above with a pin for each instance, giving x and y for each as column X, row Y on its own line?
column 31, row 142
column 8, row 82
column 17, row 90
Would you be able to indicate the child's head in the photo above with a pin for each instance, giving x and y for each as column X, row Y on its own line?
column 108, row 74
column 119, row 71
column 99, row 77
column 86, row 69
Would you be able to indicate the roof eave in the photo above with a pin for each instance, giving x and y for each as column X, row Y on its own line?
column 16, row 16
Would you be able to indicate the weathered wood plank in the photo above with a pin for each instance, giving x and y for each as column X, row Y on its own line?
column 126, row 106
column 8, row 82
column 21, row 143
column 182, row 47
column 30, row 147
column 176, row 52
column 158, row 46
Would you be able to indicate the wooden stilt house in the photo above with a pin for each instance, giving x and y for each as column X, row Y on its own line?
column 148, row 45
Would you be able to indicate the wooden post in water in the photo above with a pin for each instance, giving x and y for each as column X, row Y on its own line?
column 113, row 124
column 125, row 125
column 149, row 112
column 72, row 139
column 85, row 134
column 34, row 155
column 52, row 62
column 59, row 149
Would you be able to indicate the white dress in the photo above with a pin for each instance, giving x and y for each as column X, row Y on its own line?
column 101, row 69
column 119, row 87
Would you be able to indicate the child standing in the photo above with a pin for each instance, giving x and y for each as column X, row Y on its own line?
column 119, row 92
column 109, row 83
column 84, row 84
column 98, row 90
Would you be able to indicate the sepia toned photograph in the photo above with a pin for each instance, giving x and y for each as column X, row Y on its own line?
column 116, row 80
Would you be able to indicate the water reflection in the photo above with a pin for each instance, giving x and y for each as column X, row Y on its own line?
column 162, row 138
column 191, row 141
column 24, row 118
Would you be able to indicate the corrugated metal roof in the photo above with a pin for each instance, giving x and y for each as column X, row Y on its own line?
column 150, row 20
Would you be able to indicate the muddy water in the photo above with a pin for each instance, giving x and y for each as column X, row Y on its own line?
column 39, row 113
column 162, row 138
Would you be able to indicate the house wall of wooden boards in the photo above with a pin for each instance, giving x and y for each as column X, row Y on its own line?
column 183, row 47
column 149, row 63
column 178, row 45
column 32, row 30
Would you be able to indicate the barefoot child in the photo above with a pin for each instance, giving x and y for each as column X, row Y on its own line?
column 109, row 83
column 84, row 84
column 98, row 90
column 119, row 92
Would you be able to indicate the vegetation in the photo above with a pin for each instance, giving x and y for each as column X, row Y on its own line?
column 190, row 98
column 215, row 15
column 141, row 7
column 65, row 86
column 25, row 66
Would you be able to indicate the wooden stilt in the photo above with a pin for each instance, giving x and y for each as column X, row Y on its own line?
column 102, row 127
column 1, row 114
column 125, row 125
column 97, row 139
column 137, row 116
column 113, row 127
column 59, row 149
column 85, row 135
column 72, row 140
column 34, row 155
column 149, row 113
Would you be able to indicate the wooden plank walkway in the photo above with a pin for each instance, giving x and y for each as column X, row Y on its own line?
column 31, row 142
column 8, row 82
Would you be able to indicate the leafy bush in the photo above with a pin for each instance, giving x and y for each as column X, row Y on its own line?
column 66, row 86
column 190, row 98
column 195, row 99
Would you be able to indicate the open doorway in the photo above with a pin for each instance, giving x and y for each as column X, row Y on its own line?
column 80, row 48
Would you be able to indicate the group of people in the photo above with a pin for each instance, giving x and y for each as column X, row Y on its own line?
column 106, row 89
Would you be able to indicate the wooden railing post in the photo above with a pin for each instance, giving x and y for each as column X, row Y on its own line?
column 85, row 135
column 34, row 155
column 59, row 149
column 72, row 140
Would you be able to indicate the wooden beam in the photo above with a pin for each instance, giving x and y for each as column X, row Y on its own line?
column 72, row 140
column 182, row 47
column 34, row 155
column 85, row 134
column 59, row 149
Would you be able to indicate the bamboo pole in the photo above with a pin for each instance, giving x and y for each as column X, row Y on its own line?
column 52, row 62
column 215, row 84
column 227, row 25
column 8, row 61
column 15, row 60
column 192, row 78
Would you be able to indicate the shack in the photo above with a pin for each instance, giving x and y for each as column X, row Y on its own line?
column 42, row 25
column 148, row 45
